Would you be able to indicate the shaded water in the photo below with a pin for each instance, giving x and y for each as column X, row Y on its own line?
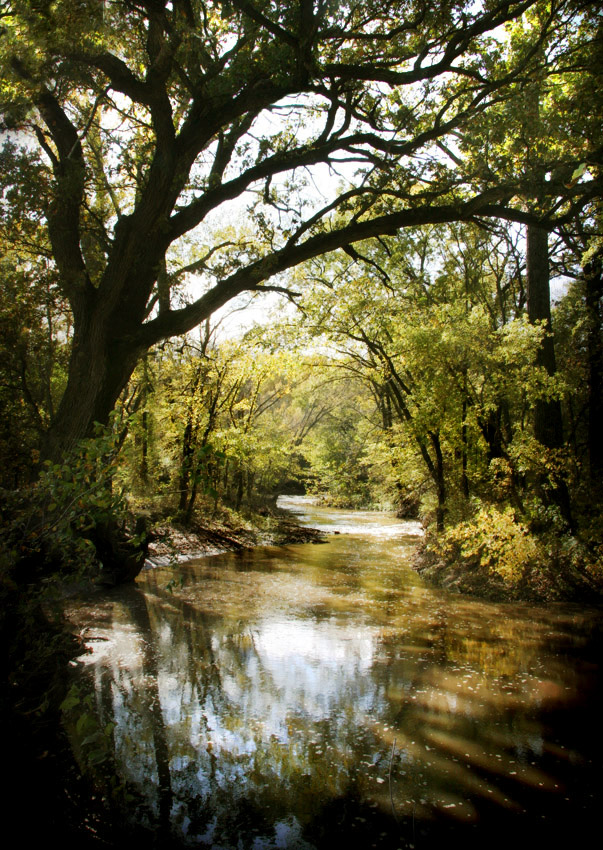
column 309, row 695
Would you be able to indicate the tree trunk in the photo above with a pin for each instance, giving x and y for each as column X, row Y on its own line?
column 439, row 479
column 548, row 424
column 102, row 362
column 186, row 463
column 99, row 369
column 240, row 488
column 145, row 424
column 464, row 445
column 593, row 277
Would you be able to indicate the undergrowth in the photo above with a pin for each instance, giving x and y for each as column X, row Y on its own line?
column 501, row 555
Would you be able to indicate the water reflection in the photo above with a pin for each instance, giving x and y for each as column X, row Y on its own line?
column 288, row 695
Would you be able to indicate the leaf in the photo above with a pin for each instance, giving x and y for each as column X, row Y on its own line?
column 579, row 171
column 71, row 700
column 85, row 723
column 91, row 739
column 577, row 174
column 97, row 757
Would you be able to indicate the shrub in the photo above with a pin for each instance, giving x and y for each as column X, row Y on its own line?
column 495, row 541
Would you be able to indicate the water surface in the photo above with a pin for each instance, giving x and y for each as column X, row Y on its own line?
column 307, row 696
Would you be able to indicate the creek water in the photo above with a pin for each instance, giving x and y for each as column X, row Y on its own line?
column 306, row 696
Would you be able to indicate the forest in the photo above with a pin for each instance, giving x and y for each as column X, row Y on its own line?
column 345, row 249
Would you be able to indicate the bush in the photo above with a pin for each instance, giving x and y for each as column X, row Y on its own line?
column 496, row 542
column 497, row 555
column 46, row 528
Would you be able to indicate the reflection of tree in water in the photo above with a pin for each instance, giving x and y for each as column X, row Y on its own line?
column 244, row 744
column 245, row 722
column 471, row 734
column 257, row 762
column 128, row 696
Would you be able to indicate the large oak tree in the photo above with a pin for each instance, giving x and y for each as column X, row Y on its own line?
column 150, row 117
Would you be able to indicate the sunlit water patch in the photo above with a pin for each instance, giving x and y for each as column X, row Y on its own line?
column 316, row 695
column 363, row 523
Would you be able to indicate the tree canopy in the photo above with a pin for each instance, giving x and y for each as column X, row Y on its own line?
column 235, row 140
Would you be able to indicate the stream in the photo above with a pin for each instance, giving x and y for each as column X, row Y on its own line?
column 309, row 696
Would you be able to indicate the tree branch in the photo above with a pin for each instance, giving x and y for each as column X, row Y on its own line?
column 180, row 321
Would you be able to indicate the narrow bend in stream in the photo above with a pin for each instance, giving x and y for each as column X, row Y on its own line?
column 307, row 696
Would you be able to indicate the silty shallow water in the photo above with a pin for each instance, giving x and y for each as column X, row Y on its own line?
column 309, row 695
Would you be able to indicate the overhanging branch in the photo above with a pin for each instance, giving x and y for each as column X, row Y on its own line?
column 180, row 321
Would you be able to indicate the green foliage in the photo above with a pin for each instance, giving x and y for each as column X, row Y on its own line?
column 341, row 451
column 92, row 742
column 442, row 350
column 497, row 553
column 214, row 425
column 139, row 125
column 34, row 320
column 493, row 540
column 47, row 526
column 142, row 125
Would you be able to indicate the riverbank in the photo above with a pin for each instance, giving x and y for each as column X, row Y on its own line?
column 325, row 595
column 558, row 578
column 541, row 581
column 173, row 542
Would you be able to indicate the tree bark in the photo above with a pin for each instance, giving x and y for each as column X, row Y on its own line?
column 464, row 452
column 100, row 366
column 593, row 278
column 145, row 424
column 440, row 480
column 548, row 423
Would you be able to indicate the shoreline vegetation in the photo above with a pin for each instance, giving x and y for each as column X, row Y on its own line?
column 538, row 584
column 501, row 569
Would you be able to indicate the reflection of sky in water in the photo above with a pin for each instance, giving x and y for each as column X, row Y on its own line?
column 303, row 670
column 276, row 683
column 306, row 655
